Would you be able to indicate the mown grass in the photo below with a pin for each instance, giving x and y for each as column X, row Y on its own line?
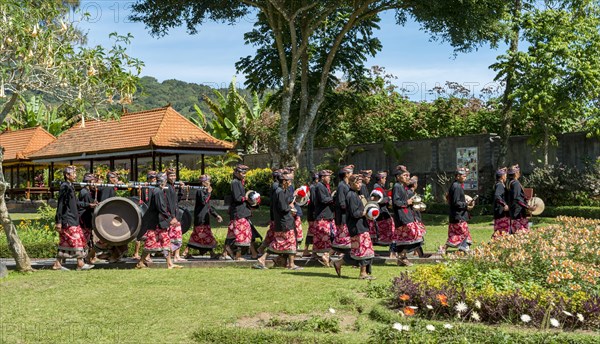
column 210, row 306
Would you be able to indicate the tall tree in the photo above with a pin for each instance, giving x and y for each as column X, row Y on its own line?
column 294, row 24
column 555, row 81
column 40, row 51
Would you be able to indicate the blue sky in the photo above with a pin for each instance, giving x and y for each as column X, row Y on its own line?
column 209, row 56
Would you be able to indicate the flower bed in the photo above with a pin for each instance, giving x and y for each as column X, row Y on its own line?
column 545, row 278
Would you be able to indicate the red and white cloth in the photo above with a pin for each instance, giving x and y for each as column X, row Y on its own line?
column 341, row 239
column 176, row 236
column 361, row 247
column 386, row 231
column 283, row 242
column 501, row 227
column 71, row 243
column 322, row 236
column 298, row 227
column 157, row 240
column 458, row 233
column 519, row 225
column 240, row 231
column 408, row 234
column 202, row 238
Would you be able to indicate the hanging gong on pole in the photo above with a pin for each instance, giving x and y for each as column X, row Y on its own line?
column 117, row 220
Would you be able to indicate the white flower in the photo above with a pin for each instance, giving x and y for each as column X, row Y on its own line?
column 475, row 316
column 568, row 314
column 430, row 328
column 477, row 304
column 448, row 326
column 429, row 307
column 413, row 307
column 397, row 326
column 580, row 317
column 331, row 310
column 554, row 322
column 405, row 328
column 461, row 307
column 525, row 318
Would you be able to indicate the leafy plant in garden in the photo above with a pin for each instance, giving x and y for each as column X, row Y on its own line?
column 564, row 185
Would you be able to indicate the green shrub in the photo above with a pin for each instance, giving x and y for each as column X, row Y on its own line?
column 254, row 336
column 561, row 185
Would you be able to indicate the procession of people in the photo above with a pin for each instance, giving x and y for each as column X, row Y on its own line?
column 344, row 224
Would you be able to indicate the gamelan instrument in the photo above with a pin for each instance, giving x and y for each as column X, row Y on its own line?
column 184, row 216
column 302, row 195
column 117, row 220
column 470, row 201
column 133, row 185
column 143, row 206
column 372, row 210
column 253, row 198
column 418, row 204
column 537, row 202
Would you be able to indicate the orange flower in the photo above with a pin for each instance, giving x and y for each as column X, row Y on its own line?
column 404, row 297
column 443, row 299
column 409, row 311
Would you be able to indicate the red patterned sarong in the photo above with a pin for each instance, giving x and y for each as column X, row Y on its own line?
column 421, row 227
column 71, row 243
column 240, row 231
column 283, row 242
column 408, row 234
column 386, row 231
column 457, row 233
column 519, row 225
column 175, row 235
column 157, row 240
column 342, row 237
column 372, row 230
column 361, row 247
column 501, row 227
column 298, row 227
column 202, row 238
column 322, row 236
column 87, row 234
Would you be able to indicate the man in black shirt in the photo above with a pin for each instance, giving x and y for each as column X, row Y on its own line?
column 501, row 217
column 459, row 235
column 239, row 232
column 71, row 239
column 361, row 252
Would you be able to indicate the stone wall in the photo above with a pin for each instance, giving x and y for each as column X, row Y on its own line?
column 431, row 158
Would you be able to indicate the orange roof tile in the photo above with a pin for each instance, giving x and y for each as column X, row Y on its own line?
column 152, row 129
column 20, row 144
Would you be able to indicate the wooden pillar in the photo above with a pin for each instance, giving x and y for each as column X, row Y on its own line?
column 160, row 163
column 18, row 175
column 153, row 161
column 12, row 177
column 202, row 166
column 112, row 164
column 131, row 171
column 91, row 165
column 177, row 166
column 51, row 175
column 137, row 172
column 71, row 162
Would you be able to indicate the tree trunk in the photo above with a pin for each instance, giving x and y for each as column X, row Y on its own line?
column 8, row 106
column 14, row 243
column 310, row 148
column 546, row 145
column 507, row 108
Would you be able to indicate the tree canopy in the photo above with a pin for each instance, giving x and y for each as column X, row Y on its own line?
column 294, row 32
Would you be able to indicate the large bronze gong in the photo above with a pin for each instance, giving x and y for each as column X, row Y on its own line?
column 117, row 220
column 184, row 216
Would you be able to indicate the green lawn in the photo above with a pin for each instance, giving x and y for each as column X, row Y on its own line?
column 24, row 216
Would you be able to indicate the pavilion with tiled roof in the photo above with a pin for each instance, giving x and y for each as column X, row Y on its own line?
column 18, row 147
column 151, row 134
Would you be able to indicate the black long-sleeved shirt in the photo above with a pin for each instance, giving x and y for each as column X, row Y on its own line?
column 310, row 207
column 157, row 213
column 402, row 213
column 202, row 208
column 516, row 200
column 499, row 200
column 458, row 205
column 106, row 192
column 284, row 221
column 357, row 223
column 66, row 210
column 238, row 208
column 86, row 213
column 340, row 203
column 274, row 188
column 323, row 202
column 172, row 199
